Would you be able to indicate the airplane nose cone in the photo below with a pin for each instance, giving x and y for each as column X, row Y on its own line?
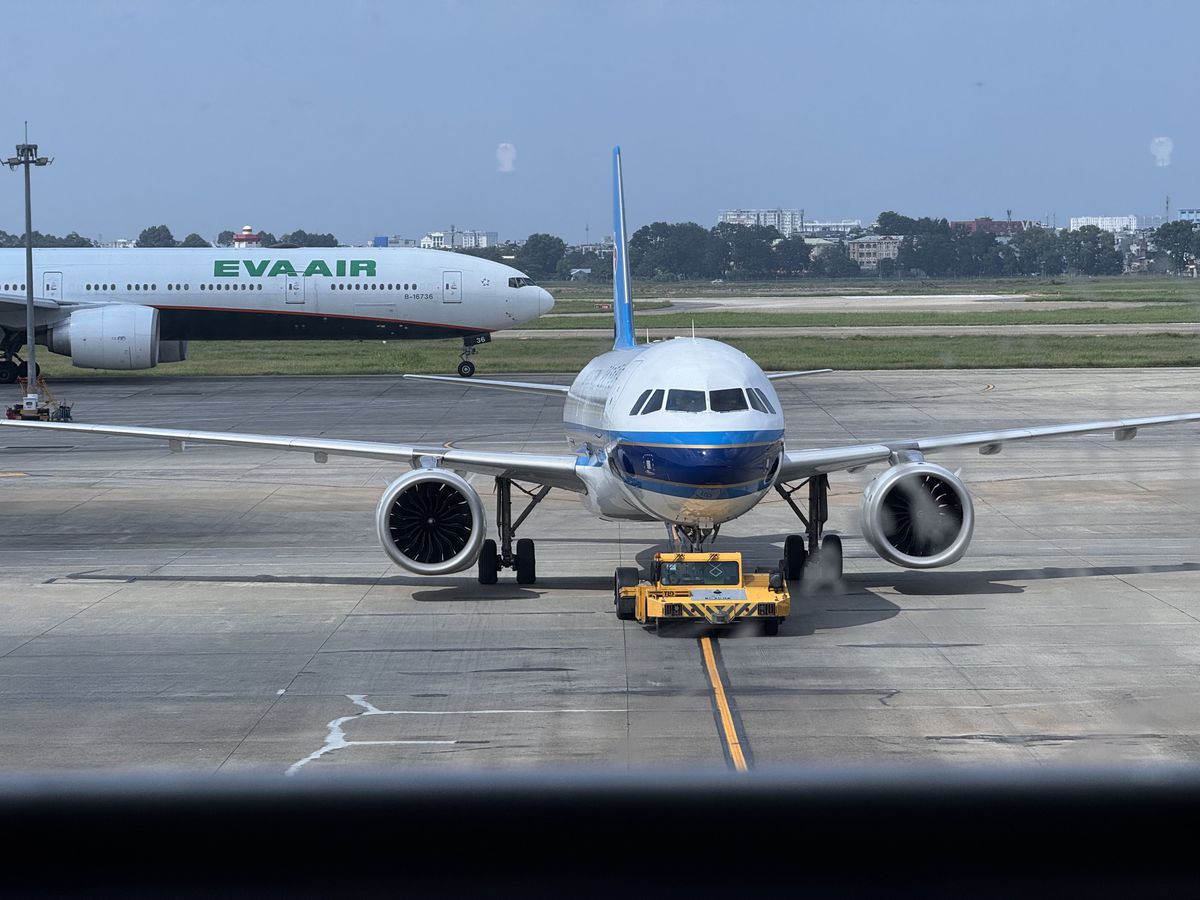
column 545, row 301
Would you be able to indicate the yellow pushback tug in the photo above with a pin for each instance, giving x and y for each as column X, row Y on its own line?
column 694, row 587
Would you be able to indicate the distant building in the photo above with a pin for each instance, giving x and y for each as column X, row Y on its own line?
column 474, row 240
column 1115, row 224
column 460, row 240
column 396, row 240
column 1001, row 228
column 870, row 249
column 1190, row 215
column 788, row 221
column 247, row 238
column 819, row 245
column 840, row 228
column 581, row 274
column 118, row 244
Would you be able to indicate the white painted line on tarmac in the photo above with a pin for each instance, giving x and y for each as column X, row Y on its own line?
column 336, row 738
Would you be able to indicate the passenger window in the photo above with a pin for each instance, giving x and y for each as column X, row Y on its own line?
column 752, row 396
column 640, row 401
column 763, row 398
column 685, row 401
column 728, row 400
column 654, row 404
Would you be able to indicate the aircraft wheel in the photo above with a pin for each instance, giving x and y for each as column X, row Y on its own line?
column 488, row 563
column 626, row 576
column 794, row 556
column 23, row 370
column 8, row 372
column 831, row 558
column 526, row 565
column 466, row 368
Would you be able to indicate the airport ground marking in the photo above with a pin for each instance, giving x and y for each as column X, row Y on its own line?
column 336, row 739
column 730, row 736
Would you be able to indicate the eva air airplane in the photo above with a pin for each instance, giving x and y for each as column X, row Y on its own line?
column 134, row 309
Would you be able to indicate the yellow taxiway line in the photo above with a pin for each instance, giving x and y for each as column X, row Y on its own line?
column 729, row 730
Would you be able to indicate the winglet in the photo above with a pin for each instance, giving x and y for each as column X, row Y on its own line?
column 622, row 301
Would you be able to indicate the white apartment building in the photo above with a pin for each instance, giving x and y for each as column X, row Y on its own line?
column 460, row 240
column 1190, row 215
column 788, row 221
column 1115, row 224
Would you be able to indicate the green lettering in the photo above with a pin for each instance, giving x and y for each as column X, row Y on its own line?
column 341, row 268
column 362, row 267
column 256, row 270
column 318, row 267
column 225, row 268
column 282, row 267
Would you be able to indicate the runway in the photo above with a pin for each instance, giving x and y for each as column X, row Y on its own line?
column 839, row 331
column 226, row 610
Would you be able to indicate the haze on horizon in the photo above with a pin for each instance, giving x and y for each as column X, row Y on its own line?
column 366, row 118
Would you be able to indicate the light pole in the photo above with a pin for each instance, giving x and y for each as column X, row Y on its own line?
column 27, row 157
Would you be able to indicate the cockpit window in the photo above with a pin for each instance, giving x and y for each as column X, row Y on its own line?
column 755, row 401
column 728, row 400
column 654, row 404
column 641, row 400
column 763, row 398
column 685, row 401
column 519, row 282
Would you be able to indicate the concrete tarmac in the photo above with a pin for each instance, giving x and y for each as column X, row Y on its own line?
column 225, row 610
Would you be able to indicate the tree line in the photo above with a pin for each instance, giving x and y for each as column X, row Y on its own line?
column 684, row 250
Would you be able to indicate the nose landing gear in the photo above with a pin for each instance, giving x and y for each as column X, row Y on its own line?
column 471, row 344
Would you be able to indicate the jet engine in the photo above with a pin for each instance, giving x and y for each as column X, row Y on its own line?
column 431, row 521
column 918, row 515
column 108, row 337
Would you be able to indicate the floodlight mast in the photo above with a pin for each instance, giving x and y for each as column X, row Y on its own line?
column 27, row 156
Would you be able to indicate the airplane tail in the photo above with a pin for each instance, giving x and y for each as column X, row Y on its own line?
column 622, row 301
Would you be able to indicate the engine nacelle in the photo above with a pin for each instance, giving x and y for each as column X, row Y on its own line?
column 172, row 351
column 108, row 337
column 431, row 522
column 918, row 515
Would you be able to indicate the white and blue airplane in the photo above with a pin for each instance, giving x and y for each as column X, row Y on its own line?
column 133, row 309
column 688, row 432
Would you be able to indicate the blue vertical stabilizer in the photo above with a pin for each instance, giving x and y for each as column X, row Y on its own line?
column 622, row 301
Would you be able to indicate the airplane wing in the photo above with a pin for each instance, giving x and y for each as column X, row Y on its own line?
column 779, row 376
column 556, row 470
column 524, row 387
column 804, row 463
column 19, row 300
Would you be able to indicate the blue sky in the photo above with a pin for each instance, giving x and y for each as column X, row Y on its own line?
column 367, row 118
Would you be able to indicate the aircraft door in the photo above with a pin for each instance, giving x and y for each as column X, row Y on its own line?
column 293, row 292
column 52, row 285
column 452, row 287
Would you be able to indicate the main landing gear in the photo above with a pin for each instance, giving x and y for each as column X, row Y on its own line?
column 491, row 558
column 12, row 366
column 820, row 562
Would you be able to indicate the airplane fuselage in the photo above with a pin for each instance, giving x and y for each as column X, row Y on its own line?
column 687, row 431
column 306, row 293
